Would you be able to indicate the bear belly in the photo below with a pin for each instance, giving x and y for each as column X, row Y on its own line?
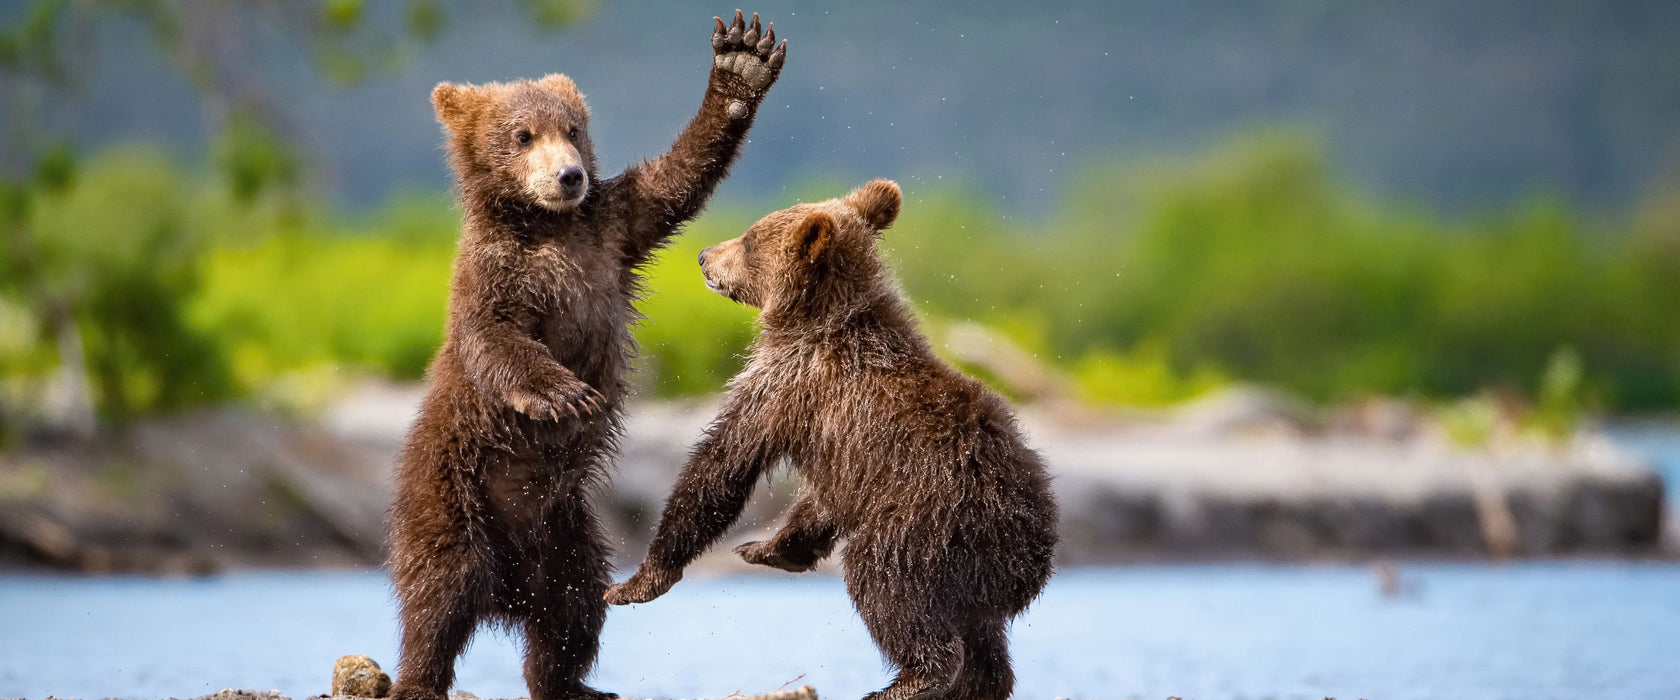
column 520, row 488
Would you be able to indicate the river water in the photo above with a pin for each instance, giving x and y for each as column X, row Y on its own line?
column 1529, row 630
column 1520, row 631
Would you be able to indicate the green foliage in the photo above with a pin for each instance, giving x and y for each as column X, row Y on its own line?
column 692, row 339
column 1251, row 263
column 1470, row 422
column 115, row 249
column 29, row 45
column 100, row 271
column 554, row 14
column 253, row 159
column 1144, row 377
column 363, row 298
column 370, row 297
column 1557, row 412
column 341, row 15
column 1152, row 285
column 424, row 19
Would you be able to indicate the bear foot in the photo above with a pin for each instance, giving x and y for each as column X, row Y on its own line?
column 763, row 554
column 584, row 692
column 643, row 586
column 404, row 692
column 902, row 690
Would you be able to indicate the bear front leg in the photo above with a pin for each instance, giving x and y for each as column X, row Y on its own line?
column 554, row 394
column 709, row 495
column 503, row 359
column 671, row 189
column 806, row 538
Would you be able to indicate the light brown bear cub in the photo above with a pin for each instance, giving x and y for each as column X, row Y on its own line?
column 491, row 519
column 947, row 513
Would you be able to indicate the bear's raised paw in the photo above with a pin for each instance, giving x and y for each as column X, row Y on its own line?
column 748, row 52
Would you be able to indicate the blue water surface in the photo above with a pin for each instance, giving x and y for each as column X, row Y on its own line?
column 1530, row 630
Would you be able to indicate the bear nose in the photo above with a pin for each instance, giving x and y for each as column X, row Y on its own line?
column 571, row 178
column 703, row 255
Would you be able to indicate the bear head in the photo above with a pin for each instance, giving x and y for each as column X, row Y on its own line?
column 525, row 141
column 809, row 258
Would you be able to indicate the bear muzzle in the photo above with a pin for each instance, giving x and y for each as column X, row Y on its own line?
column 711, row 282
column 554, row 174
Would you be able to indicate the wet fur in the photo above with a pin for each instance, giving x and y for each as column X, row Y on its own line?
column 947, row 514
column 491, row 518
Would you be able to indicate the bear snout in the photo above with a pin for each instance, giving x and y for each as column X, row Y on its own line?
column 703, row 254
column 571, row 181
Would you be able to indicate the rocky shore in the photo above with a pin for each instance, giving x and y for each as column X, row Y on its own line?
column 1242, row 475
column 801, row 693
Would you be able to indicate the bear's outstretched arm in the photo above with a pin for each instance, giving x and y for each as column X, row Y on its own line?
column 806, row 538
column 668, row 190
column 503, row 359
column 708, row 497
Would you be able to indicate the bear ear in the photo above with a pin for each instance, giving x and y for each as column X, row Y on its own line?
column 878, row 201
column 455, row 104
column 814, row 234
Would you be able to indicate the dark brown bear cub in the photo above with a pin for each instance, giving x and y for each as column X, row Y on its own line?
column 947, row 514
column 491, row 518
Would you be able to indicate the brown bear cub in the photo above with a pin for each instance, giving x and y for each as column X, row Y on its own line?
column 947, row 513
column 491, row 519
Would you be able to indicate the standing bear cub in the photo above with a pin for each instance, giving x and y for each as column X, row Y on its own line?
column 947, row 514
column 491, row 519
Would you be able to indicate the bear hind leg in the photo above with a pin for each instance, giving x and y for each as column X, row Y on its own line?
column 567, row 611
column 929, row 655
column 437, row 621
column 560, row 647
column 930, row 674
column 986, row 672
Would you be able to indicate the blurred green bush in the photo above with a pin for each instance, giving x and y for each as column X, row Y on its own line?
column 1153, row 283
column 1252, row 263
column 104, row 261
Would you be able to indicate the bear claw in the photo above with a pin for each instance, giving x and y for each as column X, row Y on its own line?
column 735, row 29
column 575, row 398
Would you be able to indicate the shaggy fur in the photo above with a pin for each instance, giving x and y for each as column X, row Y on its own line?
column 947, row 514
column 491, row 519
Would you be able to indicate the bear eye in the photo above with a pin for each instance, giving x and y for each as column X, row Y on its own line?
column 572, row 133
column 523, row 136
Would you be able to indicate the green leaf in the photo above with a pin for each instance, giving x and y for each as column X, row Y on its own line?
column 341, row 15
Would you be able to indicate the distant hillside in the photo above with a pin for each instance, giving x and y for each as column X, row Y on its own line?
column 1457, row 104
